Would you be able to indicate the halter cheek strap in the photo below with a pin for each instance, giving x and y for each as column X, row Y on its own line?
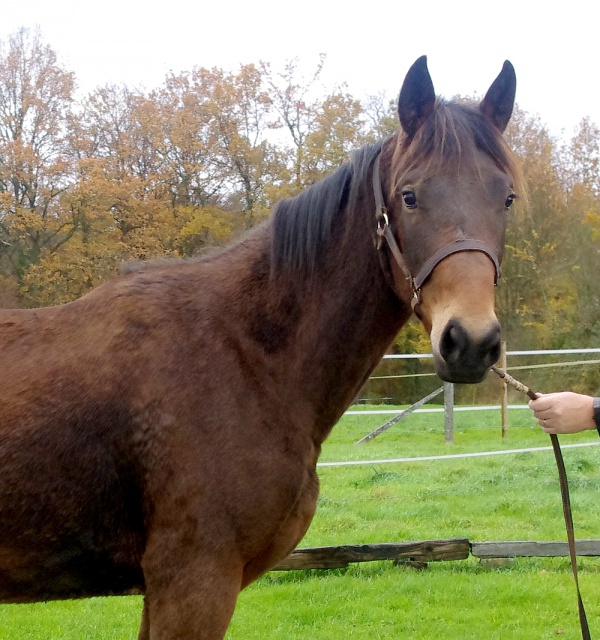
column 384, row 233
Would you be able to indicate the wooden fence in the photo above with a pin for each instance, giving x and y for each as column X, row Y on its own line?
column 424, row 551
column 448, row 389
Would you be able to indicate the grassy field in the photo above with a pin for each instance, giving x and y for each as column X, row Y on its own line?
column 505, row 497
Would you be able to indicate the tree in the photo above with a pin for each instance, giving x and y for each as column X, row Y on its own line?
column 151, row 151
column 338, row 129
column 36, row 95
column 381, row 117
column 238, row 110
column 533, row 285
column 581, row 171
column 581, row 159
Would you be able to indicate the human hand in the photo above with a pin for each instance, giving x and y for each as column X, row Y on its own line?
column 564, row 412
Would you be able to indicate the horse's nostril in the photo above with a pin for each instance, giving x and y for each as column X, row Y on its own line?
column 453, row 343
column 490, row 347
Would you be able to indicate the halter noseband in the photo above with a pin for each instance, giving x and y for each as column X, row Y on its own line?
column 384, row 232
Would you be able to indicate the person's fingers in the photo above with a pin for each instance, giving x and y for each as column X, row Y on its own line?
column 541, row 403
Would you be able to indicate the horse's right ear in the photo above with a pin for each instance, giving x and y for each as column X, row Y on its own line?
column 499, row 101
column 417, row 97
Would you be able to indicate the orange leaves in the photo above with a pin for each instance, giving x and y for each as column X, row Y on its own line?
column 129, row 174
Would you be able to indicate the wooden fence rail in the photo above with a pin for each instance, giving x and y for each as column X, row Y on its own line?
column 429, row 551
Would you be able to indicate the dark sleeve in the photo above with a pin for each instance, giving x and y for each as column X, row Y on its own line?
column 597, row 413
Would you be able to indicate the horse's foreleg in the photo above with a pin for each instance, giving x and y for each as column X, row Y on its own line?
column 195, row 602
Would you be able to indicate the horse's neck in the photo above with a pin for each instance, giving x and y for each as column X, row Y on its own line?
column 327, row 333
column 354, row 324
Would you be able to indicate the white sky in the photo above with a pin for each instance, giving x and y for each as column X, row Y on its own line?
column 555, row 47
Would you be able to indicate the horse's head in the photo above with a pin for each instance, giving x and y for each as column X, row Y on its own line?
column 451, row 181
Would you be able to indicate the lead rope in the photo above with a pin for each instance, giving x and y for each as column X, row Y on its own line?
column 566, row 501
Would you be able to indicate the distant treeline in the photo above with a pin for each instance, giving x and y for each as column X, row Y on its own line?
column 87, row 182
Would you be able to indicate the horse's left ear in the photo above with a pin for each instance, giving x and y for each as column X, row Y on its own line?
column 500, row 99
column 417, row 97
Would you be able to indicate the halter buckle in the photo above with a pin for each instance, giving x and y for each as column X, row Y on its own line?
column 383, row 222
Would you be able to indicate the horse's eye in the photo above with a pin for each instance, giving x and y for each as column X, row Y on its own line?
column 410, row 199
column 509, row 200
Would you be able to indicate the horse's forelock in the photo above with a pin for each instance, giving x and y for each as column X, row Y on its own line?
column 449, row 139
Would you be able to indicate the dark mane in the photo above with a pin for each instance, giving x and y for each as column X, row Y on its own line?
column 451, row 136
column 302, row 225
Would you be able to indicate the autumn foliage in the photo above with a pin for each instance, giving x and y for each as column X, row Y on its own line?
column 89, row 182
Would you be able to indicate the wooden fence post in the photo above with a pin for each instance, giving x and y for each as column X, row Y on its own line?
column 400, row 416
column 448, row 412
column 504, row 404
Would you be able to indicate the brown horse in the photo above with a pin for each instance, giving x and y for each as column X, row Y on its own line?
column 160, row 434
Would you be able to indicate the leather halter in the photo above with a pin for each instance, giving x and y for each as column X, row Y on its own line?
column 384, row 232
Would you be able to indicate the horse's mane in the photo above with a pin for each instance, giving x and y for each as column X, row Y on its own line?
column 302, row 225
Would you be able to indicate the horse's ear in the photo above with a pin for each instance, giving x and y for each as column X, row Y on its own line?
column 500, row 99
column 417, row 97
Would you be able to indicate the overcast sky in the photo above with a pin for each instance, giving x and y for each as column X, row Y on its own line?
column 554, row 47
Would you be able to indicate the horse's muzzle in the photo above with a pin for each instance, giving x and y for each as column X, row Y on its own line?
column 463, row 357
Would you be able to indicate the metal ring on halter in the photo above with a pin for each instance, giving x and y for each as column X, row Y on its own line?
column 382, row 222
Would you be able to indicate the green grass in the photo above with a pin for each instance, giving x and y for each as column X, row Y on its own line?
column 91, row 619
column 508, row 497
column 453, row 600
